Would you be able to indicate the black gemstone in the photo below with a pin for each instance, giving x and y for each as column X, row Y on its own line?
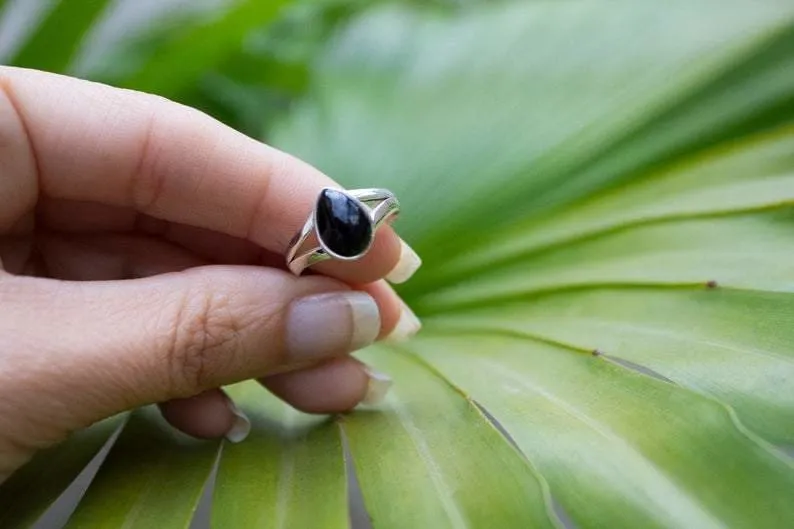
column 342, row 224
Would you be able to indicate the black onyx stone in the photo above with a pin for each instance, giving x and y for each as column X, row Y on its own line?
column 342, row 224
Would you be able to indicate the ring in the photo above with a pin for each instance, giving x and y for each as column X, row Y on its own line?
column 341, row 226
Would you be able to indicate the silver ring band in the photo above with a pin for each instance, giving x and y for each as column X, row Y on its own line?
column 342, row 226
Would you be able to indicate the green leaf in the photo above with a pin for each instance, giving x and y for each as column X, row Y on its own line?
column 555, row 160
column 700, row 339
column 751, row 175
column 182, row 62
column 620, row 449
column 153, row 477
column 59, row 36
column 303, row 466
column 37, row 485
column 430, row 458
column 499, row 122
column 602, row 194
column 691, row 252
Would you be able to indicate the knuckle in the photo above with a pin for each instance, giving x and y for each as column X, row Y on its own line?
column 205, row 337
column 19, row 185
column 154, row 172
column 262, row 205
column 148, row 177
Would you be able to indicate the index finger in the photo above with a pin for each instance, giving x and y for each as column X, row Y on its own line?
column 91, row 142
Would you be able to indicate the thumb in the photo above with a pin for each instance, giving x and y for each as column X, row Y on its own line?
column 93, row 349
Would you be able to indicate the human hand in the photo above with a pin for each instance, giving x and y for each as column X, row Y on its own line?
column 141, row 261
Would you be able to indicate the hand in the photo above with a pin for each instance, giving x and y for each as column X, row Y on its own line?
column 141, row 261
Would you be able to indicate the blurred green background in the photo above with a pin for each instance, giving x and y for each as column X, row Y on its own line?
column 578, row 176
column 242, row 61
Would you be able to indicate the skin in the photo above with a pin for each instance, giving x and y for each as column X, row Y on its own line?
column 141, row 261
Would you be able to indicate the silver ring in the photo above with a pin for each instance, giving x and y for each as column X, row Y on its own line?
column 342, row 226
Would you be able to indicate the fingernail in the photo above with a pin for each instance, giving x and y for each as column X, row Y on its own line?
column 331, row 324
column 408, row 264
column 241, row 426
column 407, row 326
column 378, row 385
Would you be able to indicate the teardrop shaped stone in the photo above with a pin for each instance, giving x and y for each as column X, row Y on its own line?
column 342, row 224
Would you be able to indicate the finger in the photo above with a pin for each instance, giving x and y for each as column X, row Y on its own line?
column 335, row 386
column 208, row 415
column 219, row 247
column 78, row 216
column 73, row 217
column 399, row 323
column 82, row 257
column 18, row 195
column 212, row 414
column 15, row 253
column 173, row 163
column 117, row 345
column 111, row 257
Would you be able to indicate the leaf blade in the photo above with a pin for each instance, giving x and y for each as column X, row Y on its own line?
column 59, row 36
column 743, row 362
column 303, row 465
column 741, row 178
column 148, row 458
column 428, row 467
column 181, row 62
column 660, row 475
column 701, row 251
column 33, row 488
column 533, row 150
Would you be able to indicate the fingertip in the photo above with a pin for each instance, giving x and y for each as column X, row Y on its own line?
column 378, row 386
column 407, row 265
column 389, row 305
column 408, row 325
column 398, row 321
column 335, row 386
column 381, row 259
column 207, row 415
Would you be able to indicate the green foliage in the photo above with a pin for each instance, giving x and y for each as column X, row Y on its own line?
column 54, row 42
column 125, row 493
column 303, row 469
column 29, row 492
column 602, row 196
column 181, row 62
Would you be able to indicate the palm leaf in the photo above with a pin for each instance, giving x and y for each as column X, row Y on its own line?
column 182, row 61
column 602, row 196
column 35, row 487
column 620, row 449
column 127, row 493
column 646, row 219
column 59, row 36
column 432, row 448
column 304, row 466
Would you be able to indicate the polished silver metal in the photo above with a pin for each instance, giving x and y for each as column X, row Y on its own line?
column 307, row 249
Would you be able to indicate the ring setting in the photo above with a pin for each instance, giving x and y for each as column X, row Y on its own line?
column 342, row 226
